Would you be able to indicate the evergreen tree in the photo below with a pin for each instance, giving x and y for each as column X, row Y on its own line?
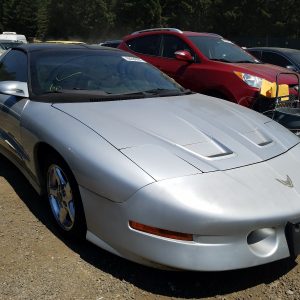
column 19, row 16
column 42, row 19
column 137, row 14
column 177, row 13
column 94, row 19
column 1, row 16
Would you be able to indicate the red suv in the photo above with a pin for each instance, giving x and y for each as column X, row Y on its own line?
column 206, row 63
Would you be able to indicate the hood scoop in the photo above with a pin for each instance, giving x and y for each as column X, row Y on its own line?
column 180, row 136
column 258, row 138
column 205, row 146
column 211, row 149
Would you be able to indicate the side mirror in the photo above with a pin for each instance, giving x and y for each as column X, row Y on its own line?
column 184, row 55
column 14, row 88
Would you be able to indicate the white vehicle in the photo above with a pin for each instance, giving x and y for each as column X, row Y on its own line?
column 13, row 36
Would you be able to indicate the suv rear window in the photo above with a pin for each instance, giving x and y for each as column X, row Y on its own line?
column 149, row 44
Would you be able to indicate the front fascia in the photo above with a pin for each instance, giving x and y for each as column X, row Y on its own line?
column 221, row 209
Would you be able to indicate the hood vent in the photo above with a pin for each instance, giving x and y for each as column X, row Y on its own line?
column 211, row 149
column 258, row 138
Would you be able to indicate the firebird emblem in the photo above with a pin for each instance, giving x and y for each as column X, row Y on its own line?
column 288, row 182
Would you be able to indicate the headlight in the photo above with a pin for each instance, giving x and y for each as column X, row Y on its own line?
column 251, row 80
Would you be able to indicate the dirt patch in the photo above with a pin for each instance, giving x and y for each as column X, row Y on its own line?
column 37, row 263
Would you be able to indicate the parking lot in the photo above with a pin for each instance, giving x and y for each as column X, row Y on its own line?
column 36, row 263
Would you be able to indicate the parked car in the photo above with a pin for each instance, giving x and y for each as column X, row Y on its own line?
column 112, row 43
column 13, row 36
column 143, row 168
column 284, row 57
column 7, row 44
column 206, row 63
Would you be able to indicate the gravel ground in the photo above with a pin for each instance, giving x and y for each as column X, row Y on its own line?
column 37, row 263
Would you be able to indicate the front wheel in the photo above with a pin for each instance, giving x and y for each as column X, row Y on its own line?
column 64, row 199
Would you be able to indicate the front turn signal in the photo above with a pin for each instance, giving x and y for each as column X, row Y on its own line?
column 161, row 232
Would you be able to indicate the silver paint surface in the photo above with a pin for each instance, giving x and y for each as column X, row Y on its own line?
column 190, row 164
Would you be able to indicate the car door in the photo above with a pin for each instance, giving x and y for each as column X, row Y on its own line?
column 13, row 67
column 182, row 71
column 158, row 49
column 147, row 47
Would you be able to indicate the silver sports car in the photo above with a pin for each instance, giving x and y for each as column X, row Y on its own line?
column 141, row 167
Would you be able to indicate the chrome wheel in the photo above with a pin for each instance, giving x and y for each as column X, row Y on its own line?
column 60, row 197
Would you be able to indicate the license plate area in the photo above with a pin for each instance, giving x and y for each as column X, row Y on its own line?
column 292, row 232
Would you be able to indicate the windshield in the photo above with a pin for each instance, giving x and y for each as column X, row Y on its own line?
column 215, row 48
column 102, row 71
column 7, row 45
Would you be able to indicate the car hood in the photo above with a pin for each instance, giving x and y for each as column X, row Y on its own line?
column 267, row 71
column 183, row 135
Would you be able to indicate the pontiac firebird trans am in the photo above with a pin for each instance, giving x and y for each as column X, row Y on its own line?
column 141, row 167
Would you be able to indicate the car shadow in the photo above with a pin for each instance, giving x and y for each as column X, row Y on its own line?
column 166, row 283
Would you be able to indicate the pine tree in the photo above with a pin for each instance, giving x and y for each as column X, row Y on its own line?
column 42, row 19
column 20, row 16
column 137, row 14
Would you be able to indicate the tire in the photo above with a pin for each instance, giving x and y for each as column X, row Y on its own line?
column 64, row 199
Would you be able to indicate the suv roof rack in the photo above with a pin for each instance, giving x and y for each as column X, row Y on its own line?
column 158, row 29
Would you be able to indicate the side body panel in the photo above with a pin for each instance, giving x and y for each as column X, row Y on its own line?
column 96, row 164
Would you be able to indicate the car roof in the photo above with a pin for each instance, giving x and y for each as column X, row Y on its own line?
column 170, row 30
column 275, row 49
column 192, row 33
column 53, row 46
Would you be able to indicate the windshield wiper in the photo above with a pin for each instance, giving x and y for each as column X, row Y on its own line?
column 82, row 95
column 52, row 92
column 69, row 96
column 166, row 92
column 77, row 91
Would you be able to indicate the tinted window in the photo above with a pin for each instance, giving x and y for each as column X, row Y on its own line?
column 14, row 66
column 109, row 72
column 171, row 44
column 275, row 59
column 255, row 53
column 149, row 44
column 216, row 48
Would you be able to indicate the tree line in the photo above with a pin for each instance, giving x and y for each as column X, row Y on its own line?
column 94, row 20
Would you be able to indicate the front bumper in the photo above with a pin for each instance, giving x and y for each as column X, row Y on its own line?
column 238, row 217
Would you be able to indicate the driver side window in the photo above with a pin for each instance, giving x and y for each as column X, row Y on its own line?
column 171, row 44
column 13, row 66
column 276, row 59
